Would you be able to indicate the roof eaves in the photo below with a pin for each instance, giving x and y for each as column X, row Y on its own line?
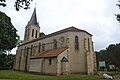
column 69, row 29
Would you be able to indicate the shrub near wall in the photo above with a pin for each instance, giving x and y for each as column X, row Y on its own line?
column 5, row 68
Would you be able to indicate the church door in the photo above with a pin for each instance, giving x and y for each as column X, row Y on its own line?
column 64, row 61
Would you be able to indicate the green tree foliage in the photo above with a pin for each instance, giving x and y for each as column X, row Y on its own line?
column 18, row 4
column 111, row 55
column 2, row 59
column 118, row 15
column 6, row 61
column 8, row 34
column 41, row 34
column 114, row 54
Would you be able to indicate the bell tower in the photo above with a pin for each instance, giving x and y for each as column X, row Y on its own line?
column 32, row 29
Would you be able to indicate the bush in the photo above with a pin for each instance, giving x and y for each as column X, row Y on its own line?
column 4, row 68
column 113, row 69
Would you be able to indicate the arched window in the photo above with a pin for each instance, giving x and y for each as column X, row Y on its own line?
column 43, row 47
column 28, row 33
column 67, row 42
column 25, row 51
column 31, row 50
column 39, row 48
column 50, row 61
column 76, row 43
column 19, row 62
column 55, row 44
column 84, row 43
column 36, row 34
column 25, row 37
column 88, row 44
column 34, row 49
column 32, row 32
column 92, row 46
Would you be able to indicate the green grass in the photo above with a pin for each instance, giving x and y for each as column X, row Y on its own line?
column 15, row 75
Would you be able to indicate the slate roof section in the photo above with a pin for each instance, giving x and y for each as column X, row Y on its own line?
column 48, row 54
column 69, row 29
column 33, row 19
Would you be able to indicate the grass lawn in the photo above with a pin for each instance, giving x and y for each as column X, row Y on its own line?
column 15, row 75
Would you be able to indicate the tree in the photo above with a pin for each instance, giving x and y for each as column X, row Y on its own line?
column 2, row 59
column 8, row 34
column 114, row 54
column 111, row 55
column 118, row 15
column 6, row 61
column 41, row 34
column 18, row 4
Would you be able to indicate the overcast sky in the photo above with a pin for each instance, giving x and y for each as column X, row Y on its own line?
column 95, row 16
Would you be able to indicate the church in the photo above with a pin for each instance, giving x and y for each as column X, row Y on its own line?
column 67, row 51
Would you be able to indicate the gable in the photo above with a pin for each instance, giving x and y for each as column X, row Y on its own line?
column 64, row 59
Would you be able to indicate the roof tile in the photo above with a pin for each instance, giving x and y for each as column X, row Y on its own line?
column 50, row 53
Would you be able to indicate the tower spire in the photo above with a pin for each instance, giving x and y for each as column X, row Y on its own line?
column 33, row 19
column 32, row 29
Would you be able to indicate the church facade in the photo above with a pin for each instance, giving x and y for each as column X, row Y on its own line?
column 63, row 52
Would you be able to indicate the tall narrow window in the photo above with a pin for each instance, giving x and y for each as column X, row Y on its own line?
column 31, row 50
column 32, row 32
column 67, row 42
column 36, row 34
column 25, row 51
column 28, row 34
column 76, row 43
column 34, row 49
column 50, row 61
column 92, row 46
column 19, row 62
column 55, row 44
column 43, row 47
column 39, row 47
column 84, row 43
column 25, row 37
column 88, row 44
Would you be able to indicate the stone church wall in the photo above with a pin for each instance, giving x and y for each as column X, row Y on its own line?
column 36, row 65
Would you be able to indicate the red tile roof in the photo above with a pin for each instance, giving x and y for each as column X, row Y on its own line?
column 50, row 53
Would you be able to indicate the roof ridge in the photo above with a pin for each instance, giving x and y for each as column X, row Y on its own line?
column 72, row 29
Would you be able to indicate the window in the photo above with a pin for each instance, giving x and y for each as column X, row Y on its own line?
column 34, row 49
column 32, row 32
column 50, row 61
column 25, row 51
column 88, row 44
column 36, row 34
column 67, row 42
column 55, row 44
column 43, row 47
column 31, row 50
column 39, row 47
column 25, row 37
column 84, row 43
column 28, row 34
column 92, row 46
column 76, row 43
column 19, row 62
